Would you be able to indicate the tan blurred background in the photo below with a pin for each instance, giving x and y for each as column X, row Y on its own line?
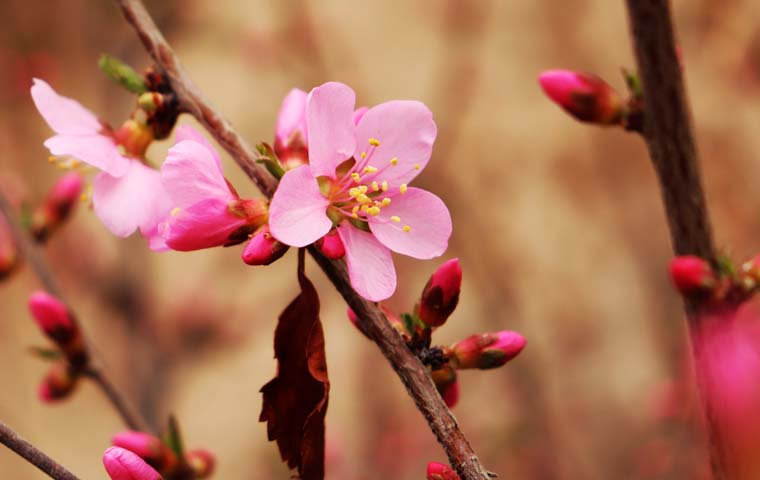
column 558, row 226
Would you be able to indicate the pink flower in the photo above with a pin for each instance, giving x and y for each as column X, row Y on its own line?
column 357, row 180
column 122, row 464
column 207, row 212
column 127, row 194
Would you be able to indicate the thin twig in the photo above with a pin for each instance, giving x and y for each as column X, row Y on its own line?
column 33, row 455
column 413, row 374
column 669, row 136
column 31, row 253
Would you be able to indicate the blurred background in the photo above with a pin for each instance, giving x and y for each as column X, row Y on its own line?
column 558, row 226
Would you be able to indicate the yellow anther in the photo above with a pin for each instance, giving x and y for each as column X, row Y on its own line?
column 407, row 228
column 362, row 189
column 355, row 209
column 354, row 191
column 416, row 166
column 374, row 211
column 375, row 142
column 364, row 154
column 356, row 177
column 375, row 186
column 51, row 159
column 395, row 218
column 384, row 186
column 402, row 188
column 386, row 201
column 362, row 198
column 370, row 169
column 176, row 210
column 394, row 161
column 354, row 215
column 84, row 197
column 364, row 208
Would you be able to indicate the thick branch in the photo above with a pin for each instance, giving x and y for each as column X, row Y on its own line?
column 413, row 374
column 668, row 133
column 33, row 455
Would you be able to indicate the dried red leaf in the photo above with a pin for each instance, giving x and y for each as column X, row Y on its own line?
column 295, row 401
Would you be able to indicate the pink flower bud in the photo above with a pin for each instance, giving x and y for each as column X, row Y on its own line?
column 446, row 382
column 8, row 253
column 263, row 248
column 134, row 136
column 586, row 97
column 440, row 471
column 52, row 317
column 58, row 383
column 144, row 445
column 487, row 350
column 441, row 294
column 331, row 245
column 291, row 139
column 122, row 464
column 692, row 275
column 60, row 202
column 202, row 462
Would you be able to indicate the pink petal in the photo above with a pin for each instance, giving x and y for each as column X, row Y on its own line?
column 156, row 241
column 122, row 464
column 405, row 130
column 292, row 116
column 427, row 217
column 191, row 174
column 186, row 132
column 359, row 113
column 96, row 150
column 370, row 265
column 330, row 114
column 297, row 214
column 64, row 115
column 206, row 224
column 136, row 200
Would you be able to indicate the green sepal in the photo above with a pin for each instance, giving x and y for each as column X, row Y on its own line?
column 46, row 353
column 360, row 224
column 633, row 82
column 269, row 159
column 726, row 267
column 122, row 74
column 173, row 437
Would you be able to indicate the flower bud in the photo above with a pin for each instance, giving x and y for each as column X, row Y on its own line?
column 692, row 275
column 446, row 382
column 440, row 471
column 9, row 258
column 263, row 248
column 586, row 97
column 58, row 383
column 487, row 350
column 331, row 245
column 134, row 136
column 146, row 446
column 57, row 207
column 441, row 294
column 55, row 320
column 202, row 462
column 291, row 141
column 122, row 464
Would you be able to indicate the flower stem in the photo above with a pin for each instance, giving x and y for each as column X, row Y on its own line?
column 33, row 455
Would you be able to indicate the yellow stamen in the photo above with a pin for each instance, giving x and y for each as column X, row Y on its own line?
column 374, row 141
column 394, row 161
column 362, row 189
column 356, row 177
column 395, row 218
column 370, row 169
column 84, row 197
column 402, row 188
column 51, row 159
column 384, row 186
column 364, row 208
column 354, row 215
column 362, row 198
column 355, row 209
column 364, row 154
column 416, row 166
column 375, row 186
column 386, row 201
column 374, row 211
column 354, row 191
column 407, row 228
column 175, row 211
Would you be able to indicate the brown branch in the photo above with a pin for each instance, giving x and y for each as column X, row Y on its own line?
column 413, row 374
column 669, row 136
column 31, row 253
column 33, row 455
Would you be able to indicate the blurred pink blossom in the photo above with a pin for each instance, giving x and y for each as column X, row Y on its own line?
column 122, row 464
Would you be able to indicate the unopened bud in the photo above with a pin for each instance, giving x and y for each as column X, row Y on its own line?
column 134, row 136
column 122, row 464
column 487, row 350
column 146, row 446
column 446, row 382
column 440, row 471
column 291, row 141
column 441, row 294
column 58, row 205
column 331, row 245
column 692, row 275
column 202, row 462
column 57, row 322
column 584, row 96
column 9, row 258
column 151, row 101
column 263, row 248
column 58, row 383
